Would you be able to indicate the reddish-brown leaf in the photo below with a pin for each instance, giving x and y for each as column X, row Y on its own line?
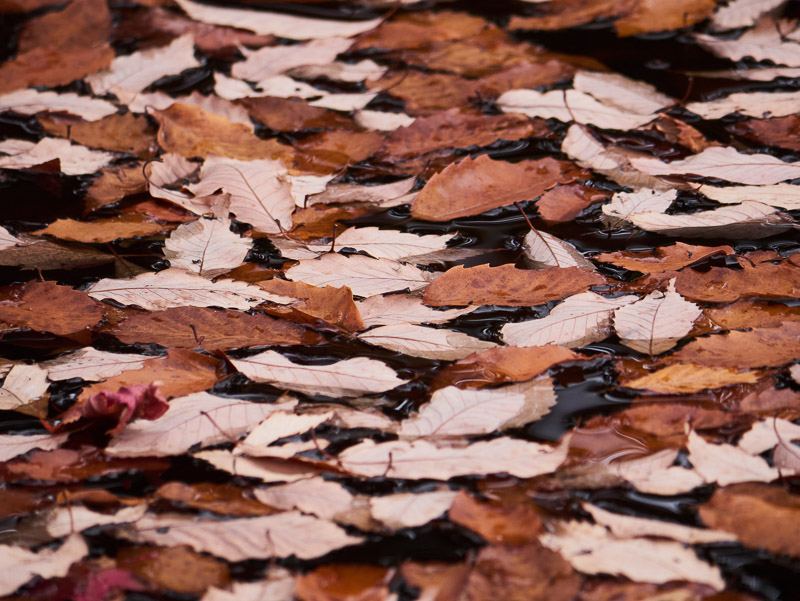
column 502, row 364
column 760, row 347
column 218, row 498
column 496, row 521
column 80, row 23
column 782, row 131
column 49, row 307
column 330, row 305
column 210, row 329
column 651, row 15
column 344, row 582
column 176, row 569
column 129, row 133
column 418, row 28
column 566, row 201
column 474, row 186
column 745, row 314
column 507, row 285
column 294, row 114
column 52, row 66
column 720, row 285
column 104, row 230
column 341, row 147
column 113, row 184
column 128, row 403
column 663, row 258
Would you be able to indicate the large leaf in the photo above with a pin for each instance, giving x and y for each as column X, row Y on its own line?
column 764, row 42
column 618, row 91
column 206, row 247
column 396, row 309
column 199, row 418
column 421, row 459
column 429, row 343
column 258, row 194
column 283, row 25
column 176, row 288
column 579, row 320
column 74, row 159
column 350, row 377
column 21, row 564
column 281, row 535
column 92, row 365
column 385, row 244
column 364, row 276
column 30, row 102
column 656, row 323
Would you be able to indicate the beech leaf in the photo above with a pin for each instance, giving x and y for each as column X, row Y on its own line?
column 385, row 244
column 92, row 365
column 322, row 498
column 428, row 343
column 549, row 251
column 783, row 196
column 207, row 247
column 13, row 445
column 74, row 159
column 410, row 510
column 23, row 385
column 31, row 101
column 397, row 309
column 22, row 564
column 726, row 464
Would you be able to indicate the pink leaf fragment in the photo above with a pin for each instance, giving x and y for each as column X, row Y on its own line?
column 128, row 403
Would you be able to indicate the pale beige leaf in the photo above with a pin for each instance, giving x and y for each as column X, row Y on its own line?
column 396, row 309
column 591, row 549
column 141, row 102
column 757, row 73
column 620, row 92
column 364, row 70
column 283, row 86
column 742, row 13
column 20, row 565
column 292, row 249
column 274, row 60
column 278, row 586
column 383, row 194
column 136, row 71
column 794, row 370
column 350, row 377
column 765, row 435
column 168, row 172
column 344, row 102
column 625, row 526
column 265, row 469
column 302, row 186
column 74, row 159
column 726, row 163
column 370, row 417
column 206, row 247
column 612, row 162
column 783, row 196
column 428, row 343
column 747, row 220
column 656, row 474
column 199, row 418
column 322, row 498
column 259, row 196
column 363, row 275
column 230, row 88
column 279, row 535
column 753, row 104
column 23, row 385
column 177, row 288
column 625, row 204
column 454, row 411
column 547, row 250
column 92, row 365
column 14, row 445
column 764, row 42
column 410, row 510
column 280, row 424
column 8, row 240
column 421, row 459
column 382, row 121
column 31, row 101
column 568, row 106
column 657, row 322
column 64, row 521
column 726, row 464
column 279, row 24
column 579, row 320
column 385, row 244
column 686, row 378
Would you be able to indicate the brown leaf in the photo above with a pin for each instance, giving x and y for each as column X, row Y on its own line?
column 47, row 255
column 507, row 285
column 760, row 347
column 328, row 304
column 680, row 379
column 128, row 133
column 770, row 401
column 209, row 329
column 83, row 23
column 50, row 307
column 503, row 364
column 179, row 373
column 761, row 516
column 520, row 573
column 176, row 569
column 414, row 29
column 651, row 15
column 437, row 581
column 474, row 186
column 559, row 14
column 52, row 66
column 782, row 131
column 103, row 230
column 222, row 499
column 611, row 590
column 566, row 201
column 344, row 582
column 663, row 258
column 113, row 184
column 339, row 148
column 496, row 521
column 720, row 284
column 294, row 114
column 192, row 132
column 745, row 314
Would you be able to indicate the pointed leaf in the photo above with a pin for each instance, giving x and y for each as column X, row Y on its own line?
column 31, row 101
column 74, row 159
column 428, row 343
column 207, row 247
column 546, row 249
column 92, row 365
column 396, row 309
column 410, row 510
column 21, row 564
column 385, row 244
column 13, row 445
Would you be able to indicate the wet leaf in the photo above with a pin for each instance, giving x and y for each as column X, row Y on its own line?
column 206, row 247
column 428, row 343
column 23, row 564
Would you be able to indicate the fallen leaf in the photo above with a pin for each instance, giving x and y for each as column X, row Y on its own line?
column 176, row 288
column 428, row 343
column 50, row 307
column 73, row 159
column 745, row 314
column 502, row 364
column 474, row 186
column 13, row 445
column 177, row 569
column 206, row 247
column 726, row 464
column 129, row 402
column 741, row 13
column 397, row 309
column 410, row 510
column 363, row 275
column 624, row 205
column 421, row 459
column 279, row 584
column 280, row 535
column 496, row 521
column 63, row 521
column 385, row 244
column 23, row 564
column 128, row 133
column 349, row 377
column 767, row 434
column 622, row 92
column 345, row 582
column 23, row 385
column 579, row 320
column 103, row 230
column 548, row 251
column 274, row 60
column 762, row 280
column 649, row 16
column 199, row 418
column 327, row 304
column 592, row 550
column 688, row 378
column 506, row 285
column 764, row 41
column 266, row 469
column 31, row 101
column 92, row 365
column 760, row 347
column 663, row 258
column 322, row 498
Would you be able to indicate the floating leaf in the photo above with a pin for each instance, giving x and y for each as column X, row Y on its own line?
column 385, row 244
column 428, row 343
column 546, row 249
column 206, row 247
column 22, row 564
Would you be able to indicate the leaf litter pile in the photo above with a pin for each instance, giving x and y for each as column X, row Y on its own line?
column 391, row 301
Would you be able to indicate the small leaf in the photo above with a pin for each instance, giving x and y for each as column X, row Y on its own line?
column 206, row 247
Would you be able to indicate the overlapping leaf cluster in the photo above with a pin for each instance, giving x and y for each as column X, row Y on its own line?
column 438, row 312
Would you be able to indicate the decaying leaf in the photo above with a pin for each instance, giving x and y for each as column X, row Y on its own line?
column 687, row 378
column 22, row 564
column 383, row 244
column 759, row 347
column 547, row 250
column 23, row 385
column 429, row 343
column 396, row 309
column 663, row 258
